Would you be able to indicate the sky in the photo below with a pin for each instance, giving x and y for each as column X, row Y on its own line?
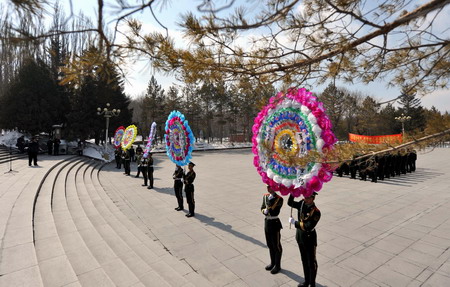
column 138, row 74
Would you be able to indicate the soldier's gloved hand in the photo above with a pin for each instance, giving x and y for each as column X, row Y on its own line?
column 266, row 211
column 291, row 220
column 271, row 196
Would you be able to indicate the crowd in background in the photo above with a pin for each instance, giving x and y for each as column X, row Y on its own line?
column 379, row 167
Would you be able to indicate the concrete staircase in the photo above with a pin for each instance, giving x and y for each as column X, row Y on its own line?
column 10, row 154
column 59, row 227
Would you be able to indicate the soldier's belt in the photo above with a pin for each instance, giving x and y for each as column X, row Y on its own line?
column 271, row 217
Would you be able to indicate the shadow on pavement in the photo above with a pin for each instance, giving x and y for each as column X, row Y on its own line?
column 228, row 228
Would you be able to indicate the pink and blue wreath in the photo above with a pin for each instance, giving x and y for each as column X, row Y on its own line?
column 118, row 135
column 179, row 139
column 290, row 126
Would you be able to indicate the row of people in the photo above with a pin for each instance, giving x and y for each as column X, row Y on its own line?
column 53, row 146
column 379, row 167
column 145, row 165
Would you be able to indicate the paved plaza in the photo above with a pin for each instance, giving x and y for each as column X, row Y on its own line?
column 111, row 231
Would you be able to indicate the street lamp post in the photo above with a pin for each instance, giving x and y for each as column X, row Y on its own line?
column 403, row 119
column 107, row 114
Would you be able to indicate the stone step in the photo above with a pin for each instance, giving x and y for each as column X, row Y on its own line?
column 9, row 174
column 97, row 238
column 18, row 264
column 55, row 267
column 112, row 193
column 128, row 248
column 135, row 239
column 83, row 261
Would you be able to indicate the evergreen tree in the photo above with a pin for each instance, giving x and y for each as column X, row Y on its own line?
column 387, row 123
column 411, row 106
column 32, row 101
column 334, row 101
column 99, row 86
column 368, row 117
column 153, row 109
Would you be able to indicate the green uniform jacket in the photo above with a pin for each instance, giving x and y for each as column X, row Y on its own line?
column 307, row 219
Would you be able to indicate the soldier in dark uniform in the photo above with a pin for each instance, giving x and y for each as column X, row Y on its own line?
column 50, row 146
column 271, row 207
column 33, row 150
column 362, row 169
column 56, row 144
column 307, row 218
column 189, row 178
column 339, row 171
column 372, row 168
column 398, row 163
column 381, row 161
column 412, row 157
column 387, row 165
column 144, row 169
column 403, row 161
column 21, row 144
column 353, row 167
column 126, row 159
column 150, row 170
column 178, row 186
column 118, row 157
column 139, row 149
column 132, row 154
column 138, row 162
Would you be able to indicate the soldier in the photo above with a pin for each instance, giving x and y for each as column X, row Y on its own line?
column 353, row 168
column 132, row 154
column 21, row 144
column 33, row 150
column 150, row 170
column 362, row 168
column 403, row 161
column 177, row 176
column 381, row 161
column 56, row 144
column 138, row 162
column 271, row 207
column 308, row 216
column 139, row 149
column 189, row 178
column 339, row 170
column 118, row 157
column 126, row 159
column 372, row 168
column 50, row 146
column 412, row 157
column 144, row 169
column 387, row 165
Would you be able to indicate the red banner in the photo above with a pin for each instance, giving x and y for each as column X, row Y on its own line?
column 389, row 139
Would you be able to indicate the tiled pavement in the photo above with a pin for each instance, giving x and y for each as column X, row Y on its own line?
column 110, row 230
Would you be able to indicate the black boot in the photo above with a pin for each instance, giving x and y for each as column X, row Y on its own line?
column 277, row 266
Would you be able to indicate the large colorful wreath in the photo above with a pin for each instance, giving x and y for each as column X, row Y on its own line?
column 129, row 136
column 289, row 128
column 151, row 137
column 118, row 136
column 179, row 138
